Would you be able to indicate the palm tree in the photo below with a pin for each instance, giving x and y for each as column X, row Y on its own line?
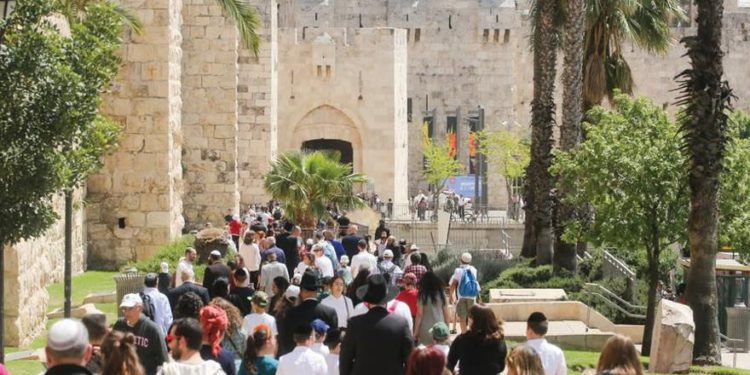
column 244, row 15
column 306, row 183
column 610, row 23
column 570, row 131
column 545, row 37
column 706, row 99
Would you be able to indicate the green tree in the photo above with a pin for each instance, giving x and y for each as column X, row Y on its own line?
column 439, row 163
column 508, row 153
column 609, row 24
column 51, row 133
column 706, row 99
column 306, row 183
column 538, row 237
column 631, row 170
column 734, row 197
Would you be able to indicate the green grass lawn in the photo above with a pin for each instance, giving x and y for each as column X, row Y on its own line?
column 83, row 285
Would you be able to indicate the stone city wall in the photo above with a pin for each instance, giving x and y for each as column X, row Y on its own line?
column 257, row 96
column 135, row 200
column 32, row 265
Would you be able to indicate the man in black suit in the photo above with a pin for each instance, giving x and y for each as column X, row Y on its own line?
column 377, row 342
column 307, row 311
column 289, row 244
column 215, row 270
column 188, row 285
column 351, row 240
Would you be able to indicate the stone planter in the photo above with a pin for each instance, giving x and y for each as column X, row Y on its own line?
column 208, row 240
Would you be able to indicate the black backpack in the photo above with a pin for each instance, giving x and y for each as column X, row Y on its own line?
column 148, row 306
column 387, row 273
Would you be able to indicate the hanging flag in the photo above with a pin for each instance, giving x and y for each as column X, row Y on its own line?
column 452, row 137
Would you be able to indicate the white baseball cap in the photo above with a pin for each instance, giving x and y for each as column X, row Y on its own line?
column 466, row 257
column 414, row 247
column 130, row 300
column 292, row 292
column 388, row 254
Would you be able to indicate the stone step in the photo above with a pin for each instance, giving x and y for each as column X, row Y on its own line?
column 109, row 297
column 527, row 295
column 77, row 312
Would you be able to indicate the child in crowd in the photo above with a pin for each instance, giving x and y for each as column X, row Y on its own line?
column 333, row 341
column 259, row 302
column 320, row 329
column 344, row 270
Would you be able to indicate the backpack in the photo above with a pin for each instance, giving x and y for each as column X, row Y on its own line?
column 148, row 306
column 468, row 286
column 387, row 273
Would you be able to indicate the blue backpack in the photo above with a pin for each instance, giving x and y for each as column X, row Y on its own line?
column 468, row 286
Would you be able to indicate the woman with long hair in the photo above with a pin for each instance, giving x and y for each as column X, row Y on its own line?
column 119, row 356
column 358, row 281
column 620, row 357
column 432, row 306
column 524, row 360
column 481, row 349
column 259, row 356
column 234, row 339
column 279, row 286
column 426, row 361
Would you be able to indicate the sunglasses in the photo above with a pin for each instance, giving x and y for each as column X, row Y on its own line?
column 171, row 338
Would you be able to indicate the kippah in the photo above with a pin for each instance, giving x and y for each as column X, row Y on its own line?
column 67, row 334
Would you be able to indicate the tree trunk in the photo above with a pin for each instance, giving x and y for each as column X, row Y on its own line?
column 528, row 248
column 542, row 125
column 570, row 131
column 707, row 99
column 653, row 281
column 2, row 301
column 68, row 272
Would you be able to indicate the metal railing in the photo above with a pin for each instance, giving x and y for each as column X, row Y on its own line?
column 615, row 267
column 408, row 213
column 590, row 289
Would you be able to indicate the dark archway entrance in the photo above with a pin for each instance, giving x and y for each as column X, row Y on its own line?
column 341, row 148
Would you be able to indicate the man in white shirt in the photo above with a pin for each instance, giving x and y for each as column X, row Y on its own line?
column 394, row 307
column 552, row 357
column 184, row 341
column 185, row 263
column 364, row 257
column 302, row 360
column 465, row 301
column 322, row 262
column 162, row 311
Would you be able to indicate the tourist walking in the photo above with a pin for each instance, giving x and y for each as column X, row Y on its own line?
column 268, row 245
column 308, row 310
column 184, row 264
column 322, row 262
column 149, row 339
column 188, row 285
column 290, row 245
column 241, row 293
column 302, row 360
column 96, row 325
column 440, row 337
column 260, row 355
column 250, row 253
column 409, row 294
column 481, row 350
column 162, row 312
column 465, row 286
column 339, row 302
column 333, row 342
column 426, row 361
column 271, row 271
column 67, row 349
column 388, row 268
column 619, row 356
column 415, row 266
column 363, row 257
column 185, row 339
column 216, row 269
column 344, row 270
column 188, row 306
column 351, row 242
column 259, row 315
column 234, row 337
column 432, row 307
column 214, row 323
column 377, row 331
column 119, row 356
column 552, row 357
column 524, row 360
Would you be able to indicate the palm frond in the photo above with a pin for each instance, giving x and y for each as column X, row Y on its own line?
column 129, row 19
column 247, row 20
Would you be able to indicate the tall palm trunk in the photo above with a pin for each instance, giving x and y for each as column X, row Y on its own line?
column 570, row 132
column 542, row 124
column 706, row 98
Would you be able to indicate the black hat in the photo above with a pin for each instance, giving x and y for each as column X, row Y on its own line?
column 303, row 330
column 536, row 317
column 377, row 290
column 309, row 280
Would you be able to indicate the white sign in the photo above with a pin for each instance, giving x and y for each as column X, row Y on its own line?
column 743, row 3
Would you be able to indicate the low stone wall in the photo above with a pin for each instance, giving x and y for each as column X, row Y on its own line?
column 32, row 265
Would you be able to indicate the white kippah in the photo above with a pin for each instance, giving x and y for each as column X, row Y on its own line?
column 67, row 334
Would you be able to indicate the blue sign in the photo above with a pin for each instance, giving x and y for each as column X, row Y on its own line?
column 462, row 185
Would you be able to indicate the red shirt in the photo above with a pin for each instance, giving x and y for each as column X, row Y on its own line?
column 409, row 297
column 235, row 226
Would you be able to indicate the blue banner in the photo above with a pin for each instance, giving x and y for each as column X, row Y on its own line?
column 462, row 185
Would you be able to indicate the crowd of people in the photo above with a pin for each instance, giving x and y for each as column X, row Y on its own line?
column 335, row 303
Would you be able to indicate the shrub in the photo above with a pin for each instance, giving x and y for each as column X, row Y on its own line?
column 488, row 264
